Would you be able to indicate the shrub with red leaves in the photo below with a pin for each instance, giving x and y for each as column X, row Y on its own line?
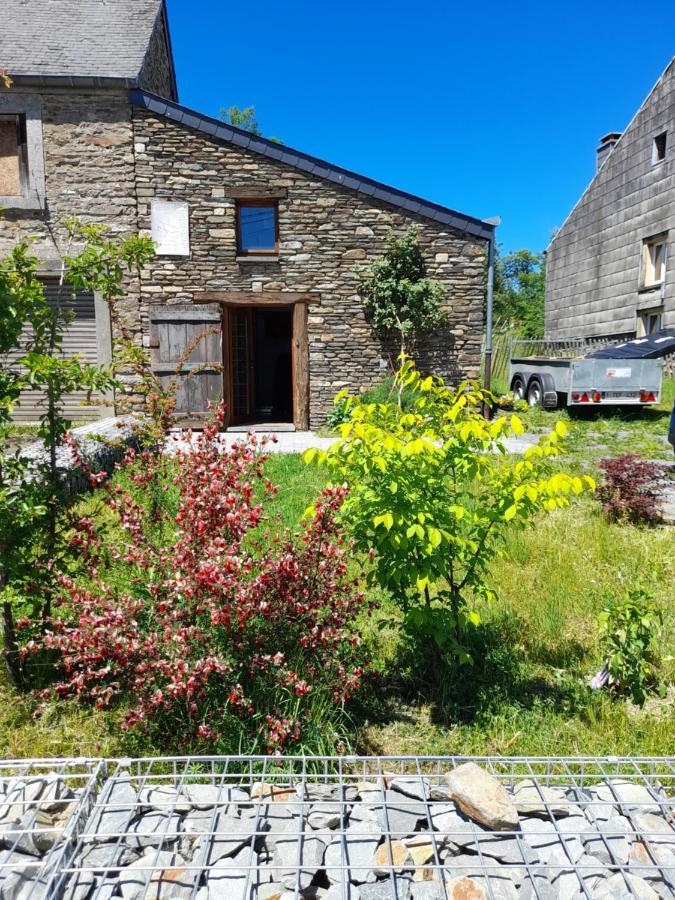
column 213, row 641
column 630, row 489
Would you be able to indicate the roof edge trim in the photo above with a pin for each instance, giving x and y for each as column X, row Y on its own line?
column 313, row 165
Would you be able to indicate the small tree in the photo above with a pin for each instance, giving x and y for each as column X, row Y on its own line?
column 30, row 503
column 397, row 294
column 433, row 495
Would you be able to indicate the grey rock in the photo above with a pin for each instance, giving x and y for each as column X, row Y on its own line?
column 499, row 886
column 117, row 810
column 426, row 890
column 233, row 878
column 298, row 859
column 544, row 889
column 555, row 847
column 343, row 891
column 469, row 864
column 206, row 796
column 157, row 874
column 417, row 788
column 19, row 798
column 165, row 798
column 461, row 831
column 400, row 817
column 23, row 884
column 611, row 842
column 318, row 792
column 103, row 857
column 616, row 888
column 395, row 886
column 154, row 829
column 275, row 819
column 80, row 886
column 440, row 792
column 538, row 800
column 355, row 849
column 230, row 834
column 19, row 836
column 655, row 829
column 327, row 815
column 629, row 794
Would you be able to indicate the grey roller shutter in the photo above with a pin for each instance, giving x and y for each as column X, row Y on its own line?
column 80, row 339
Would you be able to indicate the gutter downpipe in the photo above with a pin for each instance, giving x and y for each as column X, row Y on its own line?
column 487, row 375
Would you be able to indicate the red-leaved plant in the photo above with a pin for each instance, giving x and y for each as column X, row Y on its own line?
column 211, row 634
column 629, row 491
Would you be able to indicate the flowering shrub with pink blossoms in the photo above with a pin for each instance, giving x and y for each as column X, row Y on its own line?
column 217, row 637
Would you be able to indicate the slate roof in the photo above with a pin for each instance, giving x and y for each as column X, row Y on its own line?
column 312, row 165
column 95, row 39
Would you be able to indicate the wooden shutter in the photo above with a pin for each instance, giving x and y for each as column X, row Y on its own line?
column 172, row 329
column 79, row 339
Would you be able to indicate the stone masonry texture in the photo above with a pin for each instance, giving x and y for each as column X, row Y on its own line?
column 326, row 232
column 594, row 261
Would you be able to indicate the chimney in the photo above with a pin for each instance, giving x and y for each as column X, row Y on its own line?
column 606, row 146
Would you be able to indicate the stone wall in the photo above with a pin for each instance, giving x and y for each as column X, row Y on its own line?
column 325, row 233
column 156, row 74
column 594, row 262
column 89, row 173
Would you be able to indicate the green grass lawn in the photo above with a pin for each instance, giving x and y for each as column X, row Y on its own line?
column 534, row 650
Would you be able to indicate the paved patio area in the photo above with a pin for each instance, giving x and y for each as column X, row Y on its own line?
column 299, row 441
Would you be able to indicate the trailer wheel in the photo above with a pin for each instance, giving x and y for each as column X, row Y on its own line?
column 535, row 392
column 518, row 387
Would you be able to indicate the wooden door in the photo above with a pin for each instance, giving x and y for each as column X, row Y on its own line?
column 200, row 381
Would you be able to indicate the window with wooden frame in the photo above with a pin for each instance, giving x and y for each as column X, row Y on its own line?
column 257, row 228
column 659, row 147
column 649, row 321
column 654, row 261
column 13, row 155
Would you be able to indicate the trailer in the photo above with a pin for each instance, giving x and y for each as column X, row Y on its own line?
column 568, row 373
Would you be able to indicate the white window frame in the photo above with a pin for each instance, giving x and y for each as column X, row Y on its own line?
column 644, row 318
column 13, row 103
column 654, row 260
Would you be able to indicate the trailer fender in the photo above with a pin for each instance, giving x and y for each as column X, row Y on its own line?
column 549, row 398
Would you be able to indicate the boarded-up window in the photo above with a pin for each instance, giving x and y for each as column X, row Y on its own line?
column 12, row 155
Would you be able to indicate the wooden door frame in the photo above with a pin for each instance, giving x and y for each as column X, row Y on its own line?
column 299, row 303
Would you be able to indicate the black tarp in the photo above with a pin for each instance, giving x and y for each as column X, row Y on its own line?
column 652, row 346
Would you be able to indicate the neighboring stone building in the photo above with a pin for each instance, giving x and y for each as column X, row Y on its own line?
column 66, row 136
column 257, row 243
column 609, row 272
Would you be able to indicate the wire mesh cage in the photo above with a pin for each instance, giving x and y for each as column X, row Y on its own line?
column 366, row 828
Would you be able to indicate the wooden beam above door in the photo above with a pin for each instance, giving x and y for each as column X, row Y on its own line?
column 257, row 298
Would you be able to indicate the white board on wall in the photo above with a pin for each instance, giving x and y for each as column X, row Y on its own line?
column 170, row 227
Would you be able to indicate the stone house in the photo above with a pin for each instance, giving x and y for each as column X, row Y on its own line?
column 609, row 270
column 257, row 243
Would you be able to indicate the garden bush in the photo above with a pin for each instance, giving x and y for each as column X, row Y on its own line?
column 629, row 491
column 208, row 634
column 432, row 496
column 628, row 628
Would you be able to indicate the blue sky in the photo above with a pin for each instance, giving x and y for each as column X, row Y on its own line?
column 492, row 108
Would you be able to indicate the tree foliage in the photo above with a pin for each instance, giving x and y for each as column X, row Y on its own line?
column 519, row 290
column 433, row 495
column 397, row 294
column 246, row 119
column 34, row 329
